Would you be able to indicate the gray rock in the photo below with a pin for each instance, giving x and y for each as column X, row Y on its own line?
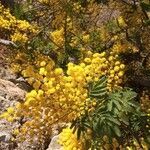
column 6, row 129
column 5, row 136
column 6, row 74
column 56, row 129
column 54, row 144
column 9, row 94
column 10, row 89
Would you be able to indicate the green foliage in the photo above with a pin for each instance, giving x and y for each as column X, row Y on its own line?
column 121, row 102
column 98, row 89
column 80, row 125
column 114, row 111
column 145, row 6
column 18, row 11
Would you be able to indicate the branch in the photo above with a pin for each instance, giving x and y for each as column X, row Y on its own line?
column 7, row 42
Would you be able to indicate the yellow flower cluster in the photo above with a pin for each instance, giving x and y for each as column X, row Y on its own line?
column 77, row 7
column 145, row 101
column 58, row 37
column 18, row 61
column 9, row 114
column 115, row 73
column 100, row 64
column 6, row 19
column 44, row 1
column 86, row 38
column 121, row 22
column 67, row 92
column 19, row 29
column 60, row 96
column 69, row 140
column 17, row 36
column 120, row 47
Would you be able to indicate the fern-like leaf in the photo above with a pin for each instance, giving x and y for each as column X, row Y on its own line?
column 99, row 88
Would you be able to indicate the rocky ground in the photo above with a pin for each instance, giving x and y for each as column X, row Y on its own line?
column 13, row 89
column 10, row 93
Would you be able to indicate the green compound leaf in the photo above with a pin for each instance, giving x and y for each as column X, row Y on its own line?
column 121, row 101
column 99, row 88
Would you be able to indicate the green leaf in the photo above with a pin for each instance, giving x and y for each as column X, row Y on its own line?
column 95, row 125
column 145, row 6
column 110, row 106
column 121, row 101
column 115, row 121
column 101, row 82
column 124, row 118
column 117, row 131
column 99, row 88
column 79, row 133
column 118, row 105
column 18, row 11
column 116, row 112
column 97, row 94
column 147, row 22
